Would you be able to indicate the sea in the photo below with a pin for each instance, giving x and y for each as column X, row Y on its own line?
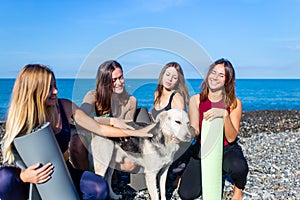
column 255, row 94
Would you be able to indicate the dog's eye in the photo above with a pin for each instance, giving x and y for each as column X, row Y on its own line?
column 178, row 122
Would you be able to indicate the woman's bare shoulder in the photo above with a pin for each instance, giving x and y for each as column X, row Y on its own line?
column 91, row 93
column 132, row 98
column 195, row 98
column 90, row 97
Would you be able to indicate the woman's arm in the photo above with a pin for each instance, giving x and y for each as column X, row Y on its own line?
column 90, row 124
column 232, row 122
column 88, row 103
column 132, row 104
column 194, row 113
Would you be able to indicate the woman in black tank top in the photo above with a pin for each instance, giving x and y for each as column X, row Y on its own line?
column 171, row 91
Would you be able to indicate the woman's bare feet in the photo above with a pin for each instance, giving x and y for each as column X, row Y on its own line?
column 237, row 194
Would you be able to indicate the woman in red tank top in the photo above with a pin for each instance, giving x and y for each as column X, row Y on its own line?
column 217, row 99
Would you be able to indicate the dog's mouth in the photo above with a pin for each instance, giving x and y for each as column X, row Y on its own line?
column 185, row 138
column 188, row 137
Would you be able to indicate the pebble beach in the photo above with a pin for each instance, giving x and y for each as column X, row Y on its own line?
column 270, row 140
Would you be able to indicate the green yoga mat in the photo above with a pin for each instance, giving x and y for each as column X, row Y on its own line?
column 211, row 158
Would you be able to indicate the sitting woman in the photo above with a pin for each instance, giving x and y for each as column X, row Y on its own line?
column 34, row 102
column 171, row 92
column 109, row 104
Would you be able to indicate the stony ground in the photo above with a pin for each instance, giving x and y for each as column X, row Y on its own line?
column 271, row 144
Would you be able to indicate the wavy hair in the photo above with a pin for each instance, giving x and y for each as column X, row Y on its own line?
column 180, row 86
column 104, row 87
column 229, row 86
column 27, row 107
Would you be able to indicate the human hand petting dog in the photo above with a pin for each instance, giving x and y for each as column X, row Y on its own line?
column 214, row 113
column 120, row 123
column 144, row 132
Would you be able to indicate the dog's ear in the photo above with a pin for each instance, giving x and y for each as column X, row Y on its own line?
column 161, row 117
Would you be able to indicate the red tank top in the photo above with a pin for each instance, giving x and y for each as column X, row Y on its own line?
column 205, row 106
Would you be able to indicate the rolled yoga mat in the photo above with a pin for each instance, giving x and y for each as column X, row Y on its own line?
column 41, row 146
column 211, row 158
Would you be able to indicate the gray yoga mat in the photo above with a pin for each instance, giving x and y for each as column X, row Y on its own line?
column 41, row 146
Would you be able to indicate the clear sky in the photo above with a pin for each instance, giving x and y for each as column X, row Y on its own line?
column 260, row 37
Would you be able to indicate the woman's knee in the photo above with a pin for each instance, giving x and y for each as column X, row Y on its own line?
column 239, row 167
column 127, row 165
column 11, row 187
column 6, row 179
column 77, row 144
column 238, row 172
column 8, row 175
column 93, row 186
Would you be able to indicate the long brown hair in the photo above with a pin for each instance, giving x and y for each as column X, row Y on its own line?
column 104, row 87
column 229, row 86
column 180, row 86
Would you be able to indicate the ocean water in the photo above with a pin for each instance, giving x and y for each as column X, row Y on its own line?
column 255, row 94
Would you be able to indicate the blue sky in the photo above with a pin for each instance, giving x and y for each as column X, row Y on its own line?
column 260, row 37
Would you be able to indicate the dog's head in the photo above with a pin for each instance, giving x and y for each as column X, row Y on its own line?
column 175, row 122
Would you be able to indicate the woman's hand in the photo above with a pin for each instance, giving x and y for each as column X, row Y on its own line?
column 120, row 123
column 215, row 113
column 144, row 132
column 36, row 174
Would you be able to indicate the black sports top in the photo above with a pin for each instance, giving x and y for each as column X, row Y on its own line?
column 63, row 137
column 168, row 107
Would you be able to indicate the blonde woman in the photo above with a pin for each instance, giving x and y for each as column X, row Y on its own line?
column 34, row 102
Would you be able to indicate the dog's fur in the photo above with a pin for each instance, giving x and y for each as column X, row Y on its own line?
column 154, row 155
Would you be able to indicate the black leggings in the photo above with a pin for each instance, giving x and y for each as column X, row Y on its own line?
column 234, row 164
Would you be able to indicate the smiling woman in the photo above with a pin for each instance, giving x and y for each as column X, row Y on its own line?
column 216, row 100
column 33, row 103
column 109, row 104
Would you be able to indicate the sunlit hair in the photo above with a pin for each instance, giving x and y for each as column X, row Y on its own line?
column 28, row 107
column 104, row 87
column 229, row 86
column 180, row 86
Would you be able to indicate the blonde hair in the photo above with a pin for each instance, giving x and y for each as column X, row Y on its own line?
column 27, row 107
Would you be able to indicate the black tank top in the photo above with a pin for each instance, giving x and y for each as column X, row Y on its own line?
column 63, row 137
column 168, row 107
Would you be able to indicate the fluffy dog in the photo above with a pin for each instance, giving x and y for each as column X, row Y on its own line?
column 153, row 155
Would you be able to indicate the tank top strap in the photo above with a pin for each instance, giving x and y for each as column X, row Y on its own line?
column 169, row 106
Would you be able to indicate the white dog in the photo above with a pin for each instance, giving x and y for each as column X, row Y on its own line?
column 154, row 155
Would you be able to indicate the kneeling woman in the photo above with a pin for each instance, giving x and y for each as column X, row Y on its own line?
column 34, row 102
column 217, row 99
